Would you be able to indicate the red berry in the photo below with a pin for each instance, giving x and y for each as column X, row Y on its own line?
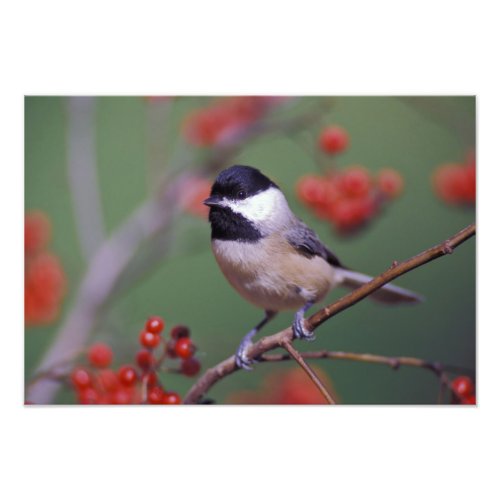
column 145, row 359
column 150, row 379
column 349, row 213
column 204, row 126
column 36, row 231
column 155, row 395
column 222, row 120
column 108, row 380
column 468, row 400
column 81, row 378
column 455, row 183
column 88, row 396
column 190, row 367
column 311, row 190
column 149, row 339
column 468, row 178
column 154, row 324
column 462, row 386
column 100, row 355
column 294, row 387
column 44, row 288
column 460, row 185
column 390, row 182
column 179, row 331
column 333, row 139
column 184, row 348
column 343, row 214
column 171, row 398
column 288, row 387
column 443, row 180
column 355, row 181
column 127, row 375
column 122, row 396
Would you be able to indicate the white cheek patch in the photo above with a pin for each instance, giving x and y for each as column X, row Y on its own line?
column 267, row 206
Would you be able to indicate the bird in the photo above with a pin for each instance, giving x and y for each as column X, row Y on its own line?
column 272, row 258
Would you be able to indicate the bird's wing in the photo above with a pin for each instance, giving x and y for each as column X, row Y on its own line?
column 306, row 241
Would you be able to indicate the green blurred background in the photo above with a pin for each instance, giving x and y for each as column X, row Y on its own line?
column 413, row 135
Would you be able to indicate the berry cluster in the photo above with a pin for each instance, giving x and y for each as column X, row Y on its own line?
column 44, row 279
column 455, row 183
column 351, row 197
column 292, row 387
column 463, row 391
column 224, row 118
column 97, row 383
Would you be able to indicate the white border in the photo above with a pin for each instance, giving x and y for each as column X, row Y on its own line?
column 215, row 47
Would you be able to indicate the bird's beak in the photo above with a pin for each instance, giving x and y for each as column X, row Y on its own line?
column 213, row 201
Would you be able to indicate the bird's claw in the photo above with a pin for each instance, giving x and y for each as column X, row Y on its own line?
column 241, row 359
column 300, row 331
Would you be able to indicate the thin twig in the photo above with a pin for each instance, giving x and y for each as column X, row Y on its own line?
column 228, row 366
column 443, row 385
column 310, row 372
column 144, row 389
column 392, row 361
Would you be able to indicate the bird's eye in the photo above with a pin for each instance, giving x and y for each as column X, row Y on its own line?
column 241, row 195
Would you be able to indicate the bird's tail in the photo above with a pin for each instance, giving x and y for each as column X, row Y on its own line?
column 388, row 294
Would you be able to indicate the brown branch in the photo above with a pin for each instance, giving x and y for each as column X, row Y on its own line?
column 293, row 353
column 444, row 383
column 228, row 366
column 392, row 361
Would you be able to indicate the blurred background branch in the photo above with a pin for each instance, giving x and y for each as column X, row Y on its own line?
column 82, row 174
column 157, row 128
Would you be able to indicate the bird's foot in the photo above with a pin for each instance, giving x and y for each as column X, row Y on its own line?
column 300, row 331
column 241, row 359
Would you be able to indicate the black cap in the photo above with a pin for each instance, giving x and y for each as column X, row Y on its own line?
column 240, row 181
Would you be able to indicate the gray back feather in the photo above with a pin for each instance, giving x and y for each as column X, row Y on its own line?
column 306, row 241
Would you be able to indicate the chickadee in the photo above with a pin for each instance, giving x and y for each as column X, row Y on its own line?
column 271, row 257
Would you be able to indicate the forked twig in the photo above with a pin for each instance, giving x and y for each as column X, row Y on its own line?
column 310, row 372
